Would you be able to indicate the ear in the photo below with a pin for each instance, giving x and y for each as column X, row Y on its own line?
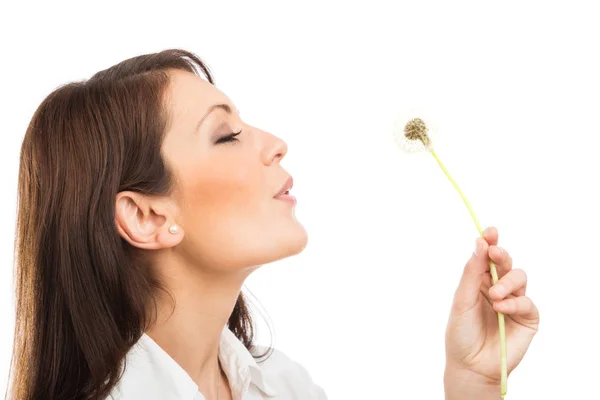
column 146, row 222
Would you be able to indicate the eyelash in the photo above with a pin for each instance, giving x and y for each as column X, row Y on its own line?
column 229, row 138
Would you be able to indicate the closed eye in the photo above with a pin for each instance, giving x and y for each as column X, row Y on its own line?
column 229, row 138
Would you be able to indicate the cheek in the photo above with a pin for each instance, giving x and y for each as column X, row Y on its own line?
column 227, row 221
column 226, row 210
column 231, row 219
column 226, row 193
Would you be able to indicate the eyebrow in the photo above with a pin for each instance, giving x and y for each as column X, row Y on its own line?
column 223, row 106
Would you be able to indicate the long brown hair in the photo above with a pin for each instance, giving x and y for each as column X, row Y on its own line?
column 81, row 291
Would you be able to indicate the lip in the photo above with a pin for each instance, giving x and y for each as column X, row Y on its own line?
column 287, row 198
column 287, row 185
column 283, row 193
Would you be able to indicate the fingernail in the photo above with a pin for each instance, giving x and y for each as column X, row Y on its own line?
column 498, row 306
column 487, row 230
column 499, row 289
column 476, row 251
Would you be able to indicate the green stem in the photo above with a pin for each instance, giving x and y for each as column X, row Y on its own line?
column 494, row 273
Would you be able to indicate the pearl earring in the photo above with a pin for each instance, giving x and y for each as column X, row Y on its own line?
column 173, row 229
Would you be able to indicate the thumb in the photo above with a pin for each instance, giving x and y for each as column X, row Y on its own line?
column 474, row 273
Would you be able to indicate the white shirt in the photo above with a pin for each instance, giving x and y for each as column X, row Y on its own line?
column 152, row 374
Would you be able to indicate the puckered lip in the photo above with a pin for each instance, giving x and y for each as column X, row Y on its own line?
column 286, row 186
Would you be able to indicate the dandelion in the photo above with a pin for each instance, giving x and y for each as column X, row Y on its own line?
column 414, row 137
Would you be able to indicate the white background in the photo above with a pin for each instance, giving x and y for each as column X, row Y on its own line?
column 513, row 90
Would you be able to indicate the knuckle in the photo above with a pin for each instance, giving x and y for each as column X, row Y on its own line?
column 522, row 274
column 526, row 304
column 513, row 276
column 512, row 304
column 518, row 307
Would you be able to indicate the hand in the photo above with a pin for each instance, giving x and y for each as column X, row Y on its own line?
column 472, row 335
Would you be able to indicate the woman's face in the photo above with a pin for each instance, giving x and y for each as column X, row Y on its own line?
column 225, row 188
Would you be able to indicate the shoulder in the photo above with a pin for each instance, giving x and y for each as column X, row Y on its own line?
column 288, row 375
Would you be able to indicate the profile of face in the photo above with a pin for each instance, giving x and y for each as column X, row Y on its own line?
column 224, row 188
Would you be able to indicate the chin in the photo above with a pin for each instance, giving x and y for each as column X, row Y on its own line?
column 287, row 244
column 300, row 242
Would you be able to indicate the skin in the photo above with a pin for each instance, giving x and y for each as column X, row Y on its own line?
column 230, row 224
column 472, row 336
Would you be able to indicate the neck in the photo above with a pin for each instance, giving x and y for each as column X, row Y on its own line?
column 191, row 331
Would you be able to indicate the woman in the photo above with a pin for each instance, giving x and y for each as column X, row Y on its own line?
column 144, row 203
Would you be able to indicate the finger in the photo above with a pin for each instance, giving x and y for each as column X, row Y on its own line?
column 467, row 293
column 502, row 259
column 522, row 306
column 486, row 284
column 514, row 282
column 490, row 234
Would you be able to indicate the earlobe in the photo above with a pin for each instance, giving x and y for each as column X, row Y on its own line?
column 173, row 235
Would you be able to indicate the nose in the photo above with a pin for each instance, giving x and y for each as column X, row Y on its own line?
column 274, row 149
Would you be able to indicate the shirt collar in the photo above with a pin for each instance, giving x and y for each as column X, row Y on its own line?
column 237, row 361
column 149, row 364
